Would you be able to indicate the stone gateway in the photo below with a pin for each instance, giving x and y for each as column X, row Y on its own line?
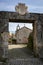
column 35, row 18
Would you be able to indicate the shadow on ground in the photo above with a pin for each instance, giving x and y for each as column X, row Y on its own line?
column 20, row 53
column 23, row 56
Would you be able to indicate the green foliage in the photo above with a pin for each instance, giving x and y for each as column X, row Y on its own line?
column 30, row 41
column 13, row 39
column 9, row 40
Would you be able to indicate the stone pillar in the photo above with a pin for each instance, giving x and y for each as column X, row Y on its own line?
column 35, row 48
column 4, row 28
column 1, row 49
column 39, row 38
column 1, row 41
column 5, row 43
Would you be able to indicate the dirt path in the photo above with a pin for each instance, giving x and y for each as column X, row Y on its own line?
column 20, row 55
column 19, row 51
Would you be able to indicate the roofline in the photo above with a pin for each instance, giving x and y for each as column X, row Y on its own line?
column 25, row 27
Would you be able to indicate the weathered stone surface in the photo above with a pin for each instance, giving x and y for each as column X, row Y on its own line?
column 30, row 61
column 3, row 25
column 5, row 17
column 3, row 28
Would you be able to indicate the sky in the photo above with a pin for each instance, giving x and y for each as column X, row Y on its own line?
column 34, row 6
column 13, row 29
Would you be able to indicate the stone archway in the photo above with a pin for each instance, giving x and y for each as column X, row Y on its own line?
column 36, row 19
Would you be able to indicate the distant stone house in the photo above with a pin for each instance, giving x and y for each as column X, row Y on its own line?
column 22, row 35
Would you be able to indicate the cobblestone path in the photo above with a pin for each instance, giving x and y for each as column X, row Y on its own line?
column 20, row 55
column 19, row 51
column 29, row 61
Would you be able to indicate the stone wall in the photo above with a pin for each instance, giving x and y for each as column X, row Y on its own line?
column 3, row 28
column 5, row 17
column 22, row 35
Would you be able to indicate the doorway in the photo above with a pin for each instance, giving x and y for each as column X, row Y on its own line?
column 13, row 50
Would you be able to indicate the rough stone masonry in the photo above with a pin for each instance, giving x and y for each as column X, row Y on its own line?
column 35, row 18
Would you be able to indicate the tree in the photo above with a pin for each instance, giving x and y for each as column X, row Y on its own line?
column 30, row 41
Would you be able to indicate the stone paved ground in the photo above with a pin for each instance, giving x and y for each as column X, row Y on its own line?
column 29, row 61
column 19, row 51
column 20, row 55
